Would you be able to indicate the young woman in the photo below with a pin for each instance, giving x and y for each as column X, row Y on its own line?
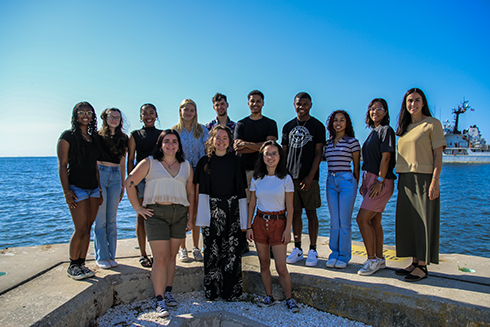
column 273, row 189
column 378, row 183
column 341, row 149
column 79, row 177
column 419, row 167
column 222, row 212
column 194, row 137
column 112, row 165
column 168, row 200
column 141, row 145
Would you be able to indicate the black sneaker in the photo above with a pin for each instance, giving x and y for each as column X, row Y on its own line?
column 75, row 272
column 292, row 305
column 265, row 302
column 161, row 309
column 88, row 273
column 170, row 300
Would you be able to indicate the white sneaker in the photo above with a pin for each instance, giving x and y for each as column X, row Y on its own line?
column 113, row 263
column 104, row 264
column 340, row 264
column 295, row 256
column 331, row 263
column 312, row 259
column 381, row 263
column 183, row 257
column 369, row 267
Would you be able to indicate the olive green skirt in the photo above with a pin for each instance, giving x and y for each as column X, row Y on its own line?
column 417, row 219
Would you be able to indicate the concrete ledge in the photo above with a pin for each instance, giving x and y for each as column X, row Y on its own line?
column 215, row 319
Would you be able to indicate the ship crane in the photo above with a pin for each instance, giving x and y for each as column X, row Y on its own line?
column 462, row 108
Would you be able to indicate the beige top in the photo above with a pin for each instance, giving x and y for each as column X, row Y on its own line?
column 162, row 187
column 415, row 146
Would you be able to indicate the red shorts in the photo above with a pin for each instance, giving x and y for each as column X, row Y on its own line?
column 268, row 231
column 377, row 204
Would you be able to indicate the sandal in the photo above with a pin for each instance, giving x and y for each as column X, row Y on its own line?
column 405, row 272
column 414, row 278
column 145, row 262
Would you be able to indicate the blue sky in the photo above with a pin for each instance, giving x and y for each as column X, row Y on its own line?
column 54, row 54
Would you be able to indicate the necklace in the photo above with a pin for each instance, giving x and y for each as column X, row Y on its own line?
column 299, row 121
column 169, row 165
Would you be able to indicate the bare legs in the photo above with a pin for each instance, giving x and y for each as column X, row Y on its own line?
column 83, row 217
column 312, row 225
column 263, row 251
column 372, row 232
column 163, row 269
column 141, row 233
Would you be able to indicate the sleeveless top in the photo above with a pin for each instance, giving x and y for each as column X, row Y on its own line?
column 162, row 187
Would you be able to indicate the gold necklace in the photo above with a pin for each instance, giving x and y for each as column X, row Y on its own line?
column 169, row 165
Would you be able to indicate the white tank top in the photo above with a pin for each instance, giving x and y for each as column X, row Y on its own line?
column 162, row 187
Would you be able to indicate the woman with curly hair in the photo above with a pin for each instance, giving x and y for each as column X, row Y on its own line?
column 194, row 137
column 419, row 164
column 341, row 149
column 222, row 212
column 378, row 183
column 168, row 201
column 141, row 144
column 112, row 166
column 79, row 177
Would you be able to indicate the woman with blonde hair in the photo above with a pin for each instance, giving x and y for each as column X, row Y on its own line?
column 194, row 137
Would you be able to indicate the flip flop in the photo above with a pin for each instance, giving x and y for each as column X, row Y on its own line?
column 145, row 262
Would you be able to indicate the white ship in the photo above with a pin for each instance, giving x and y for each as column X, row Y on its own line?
column 464, row 147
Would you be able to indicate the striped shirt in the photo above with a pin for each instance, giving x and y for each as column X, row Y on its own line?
column 339, row 157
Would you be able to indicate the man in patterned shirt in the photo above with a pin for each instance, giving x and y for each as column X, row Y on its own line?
column 220, row 105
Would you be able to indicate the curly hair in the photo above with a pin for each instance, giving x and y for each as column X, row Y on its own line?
column 158, row 152
column 260, row 166
column 116, row 143
column 211, row 149
column 404, row 117
column 386, row 118
column 79, row 148
column 349, row 130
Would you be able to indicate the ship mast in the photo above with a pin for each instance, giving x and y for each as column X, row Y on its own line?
column 462, row 108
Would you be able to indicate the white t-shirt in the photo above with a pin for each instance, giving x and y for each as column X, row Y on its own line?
column 271, row 192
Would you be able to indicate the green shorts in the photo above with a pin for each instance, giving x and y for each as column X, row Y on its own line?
column 310, row 200
column 168, row 221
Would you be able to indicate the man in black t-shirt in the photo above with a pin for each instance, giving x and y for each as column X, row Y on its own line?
column 303, row 139
column 251, row 132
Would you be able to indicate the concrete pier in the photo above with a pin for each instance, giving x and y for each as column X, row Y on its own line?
column 35, row 290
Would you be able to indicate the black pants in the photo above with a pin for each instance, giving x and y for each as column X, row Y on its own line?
column 223, row 250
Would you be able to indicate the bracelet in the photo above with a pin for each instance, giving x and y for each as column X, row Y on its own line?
column 249, row 228
column 65, row 193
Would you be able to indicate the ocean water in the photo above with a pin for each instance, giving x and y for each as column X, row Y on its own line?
column 33, row 210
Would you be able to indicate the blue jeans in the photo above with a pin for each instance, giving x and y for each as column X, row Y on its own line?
column 105, row 224
column 341, row 195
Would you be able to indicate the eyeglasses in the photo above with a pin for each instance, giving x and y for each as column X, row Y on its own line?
column 82, row 113
column 377, row 109
column 117, row 118
column 271, row 154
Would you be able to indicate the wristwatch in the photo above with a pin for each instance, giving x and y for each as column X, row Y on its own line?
column 380, row 179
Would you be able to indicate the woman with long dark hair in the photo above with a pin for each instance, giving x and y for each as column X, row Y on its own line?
column 341, row 149
column 141, row 144
column 378, row 183
column 168, row 201
column 272, row 191
column 222, row 213
column 112, row 166
column 79, row 177
column 194, row 137
column 419, row 165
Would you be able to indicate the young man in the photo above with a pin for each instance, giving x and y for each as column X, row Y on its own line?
column 220, row 105
column 303, row 139
column 251, row 132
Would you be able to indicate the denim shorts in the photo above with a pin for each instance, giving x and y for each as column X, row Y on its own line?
column 141, row 189
column 84, row 194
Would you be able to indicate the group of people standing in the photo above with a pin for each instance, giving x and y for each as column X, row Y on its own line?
column 237, row 183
